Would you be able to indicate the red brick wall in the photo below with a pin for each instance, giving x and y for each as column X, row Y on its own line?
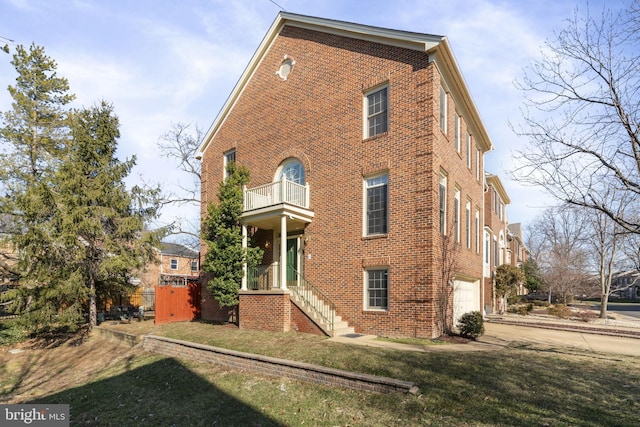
column 268, row 311
column 210, row 309
column 316, row 115
column 300, row 322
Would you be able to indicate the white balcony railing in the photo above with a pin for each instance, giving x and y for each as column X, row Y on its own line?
column 276, row 193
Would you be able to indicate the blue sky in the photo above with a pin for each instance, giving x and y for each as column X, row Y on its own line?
column 161, row 62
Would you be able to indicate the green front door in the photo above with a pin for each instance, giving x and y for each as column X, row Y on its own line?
column 292, row 262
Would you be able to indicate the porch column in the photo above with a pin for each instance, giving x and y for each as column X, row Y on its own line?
column 244, row 264
column 283, row 252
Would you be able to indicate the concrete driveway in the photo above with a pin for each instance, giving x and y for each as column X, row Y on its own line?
column 502, row 335
column 498, row 336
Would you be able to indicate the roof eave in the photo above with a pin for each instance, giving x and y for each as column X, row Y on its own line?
column 445, row 60
column 405, row 39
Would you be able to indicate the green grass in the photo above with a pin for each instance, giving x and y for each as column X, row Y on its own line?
column 413, row 341
column 10, row 333
column 520, row 385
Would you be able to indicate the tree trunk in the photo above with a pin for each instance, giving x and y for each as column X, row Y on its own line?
column 604, row 300
column 93, row 311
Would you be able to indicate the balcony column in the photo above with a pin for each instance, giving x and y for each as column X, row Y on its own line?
column 244, row 264
column 283, row 252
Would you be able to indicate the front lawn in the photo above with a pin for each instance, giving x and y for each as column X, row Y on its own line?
column 519, row 385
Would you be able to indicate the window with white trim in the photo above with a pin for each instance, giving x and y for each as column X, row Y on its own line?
column 478, row 165
column 194, row 265
column 467, row 223
column 377, row 112
column 468, row 150
column 292, row 170
column 377, row 288
column 477, row 230
column 376, row 204
column 443, row 110
column 456, row 216
column 229, row 157
column 457, row 132
column 174, row 264
column 443, row 204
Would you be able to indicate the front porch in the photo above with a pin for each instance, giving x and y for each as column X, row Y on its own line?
column 283, row 208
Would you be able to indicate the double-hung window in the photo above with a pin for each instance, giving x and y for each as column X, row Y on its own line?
column 456, row 216
column 376, row 204
column 457, row 132
column 229, row 157
column 468, row 150
column 477, row 230
column 174, row 264
column 377, row 293
column 467, row 224
column 443, row 204
column 443, row 110
column 377, row 110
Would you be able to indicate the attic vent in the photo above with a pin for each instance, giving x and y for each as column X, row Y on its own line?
column 285, row 67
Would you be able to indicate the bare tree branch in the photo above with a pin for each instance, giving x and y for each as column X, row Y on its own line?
column 582, row 115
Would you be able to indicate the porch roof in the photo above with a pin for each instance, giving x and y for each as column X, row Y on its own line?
column 269, row 217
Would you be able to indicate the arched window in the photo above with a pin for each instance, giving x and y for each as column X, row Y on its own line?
column 292, row 170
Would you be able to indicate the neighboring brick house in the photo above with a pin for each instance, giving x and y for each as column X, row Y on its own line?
column 517, row 252
column 366, row 155
column 175, row 266
column 496, row 247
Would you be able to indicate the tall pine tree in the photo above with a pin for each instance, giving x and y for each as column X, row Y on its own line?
column 34, row 133
column 78, row 231
column 100, row 222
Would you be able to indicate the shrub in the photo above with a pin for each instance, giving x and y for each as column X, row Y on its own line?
column 471, row 325
column 560, row 310
column 587, row 315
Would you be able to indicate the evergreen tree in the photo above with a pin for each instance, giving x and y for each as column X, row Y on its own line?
column 222, row 234
column 533, row 275
column 34, row 132
column 78, row 230
column 100, row 223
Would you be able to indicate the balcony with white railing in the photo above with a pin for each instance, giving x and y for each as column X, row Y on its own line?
column 264, row 205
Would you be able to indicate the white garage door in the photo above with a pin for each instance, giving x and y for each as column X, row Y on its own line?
column 466, row 298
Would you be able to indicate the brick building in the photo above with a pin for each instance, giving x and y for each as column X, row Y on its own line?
column 496, row 245
column 366, row 155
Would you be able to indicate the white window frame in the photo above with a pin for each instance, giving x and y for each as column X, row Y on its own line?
column 469, row 151
column 456, row 215
column 194, row 264
column 477, row 230
column 478, row 168
column 368, row 289
column 226, row 160
column 457, row 132
column 467, row 223
column 371, row 182
column 442, row 198
column 368, row 117
column 173, row 264
column 443, row 110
